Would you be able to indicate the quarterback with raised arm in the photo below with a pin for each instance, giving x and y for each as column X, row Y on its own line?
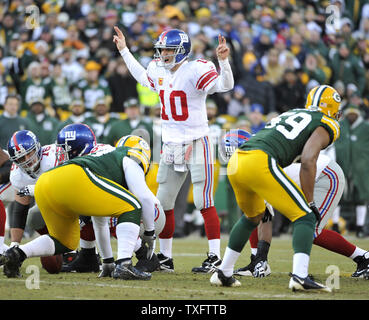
column 183, row 86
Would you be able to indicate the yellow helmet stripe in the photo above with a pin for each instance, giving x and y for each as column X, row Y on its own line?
column 333, row 124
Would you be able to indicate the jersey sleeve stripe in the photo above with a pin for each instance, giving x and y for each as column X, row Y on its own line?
column 210, row 77
column 333, row 125
column 210, row 81
column 151, row 82
column 202, row 77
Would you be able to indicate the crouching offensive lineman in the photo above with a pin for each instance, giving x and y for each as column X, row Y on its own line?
column 94, row 185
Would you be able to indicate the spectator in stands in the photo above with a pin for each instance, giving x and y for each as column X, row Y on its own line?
column 121, row 78
column 347, row 68
column 258, row 90
column 256, row 117
column 41, row 123
column 290, row 93
column 125, row 127
column 352, row 154
column 101, row 121
column 10, row 120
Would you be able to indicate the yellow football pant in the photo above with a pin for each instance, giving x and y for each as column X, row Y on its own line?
column 66, row 192
column 151, row 177
column 255, row 177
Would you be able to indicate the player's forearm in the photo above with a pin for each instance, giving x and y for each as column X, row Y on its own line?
column 135, row 68
column 225, row 81
column 307, row 179
column 135, row 179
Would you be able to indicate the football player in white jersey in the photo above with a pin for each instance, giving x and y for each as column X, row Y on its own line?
column 183, row 86
column 30, row 160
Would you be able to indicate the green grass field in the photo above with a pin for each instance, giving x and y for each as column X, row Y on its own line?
column 183, row 285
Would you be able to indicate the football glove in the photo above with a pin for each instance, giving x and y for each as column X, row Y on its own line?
column 149, row 238
column 107, row 270
column 315, row 210
column 27, row 191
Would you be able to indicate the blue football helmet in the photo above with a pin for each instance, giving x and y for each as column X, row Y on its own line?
column 75, row 140
column 172, row 39
column 233, row 139
column 24, row 150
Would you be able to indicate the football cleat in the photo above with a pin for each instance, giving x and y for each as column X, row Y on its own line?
column 12, row 260
column 301, row 284
column 209, row 265
column 362, row 266
column 85, row 261
column 166, row 264
column 107, row 270
column 69, row 257
column 247, row 271
column 126, row 271
column 219, row 279
column 144, row 264
column 262, row 269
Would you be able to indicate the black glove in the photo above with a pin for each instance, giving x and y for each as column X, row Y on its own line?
column 149, row 238
column 315, row 210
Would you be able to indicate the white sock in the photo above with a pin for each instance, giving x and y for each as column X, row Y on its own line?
column 1, row 241
column 228, row 262
column 254, row 251
column 300, row 264
column 102, row 235
column 336, row 215
column 138, row 244
column 360, row 215
column 127, row 234
column 39, row 247
column 214, row 246
column 85, row 244
column 166, row 247
column 358, row 252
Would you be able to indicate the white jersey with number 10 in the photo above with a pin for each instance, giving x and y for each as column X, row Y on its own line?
column 182, row 96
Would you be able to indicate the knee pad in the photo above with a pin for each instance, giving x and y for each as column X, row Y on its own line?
column 34, row 219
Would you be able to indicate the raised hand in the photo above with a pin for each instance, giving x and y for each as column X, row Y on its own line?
column 222, row 50
column 119, row 39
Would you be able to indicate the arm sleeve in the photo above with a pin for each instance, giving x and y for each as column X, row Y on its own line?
column 136, row 69
column 136, row 183
column 225, row 80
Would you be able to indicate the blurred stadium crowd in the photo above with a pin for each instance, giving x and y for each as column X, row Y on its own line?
column 58, row 63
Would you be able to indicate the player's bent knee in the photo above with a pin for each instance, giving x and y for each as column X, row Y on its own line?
column 60, row 248
column 308, row 219
column 131, row 216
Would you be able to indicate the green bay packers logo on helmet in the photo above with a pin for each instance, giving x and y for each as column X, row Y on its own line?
column 324, row 99
column 336, row 97
column 139, row 150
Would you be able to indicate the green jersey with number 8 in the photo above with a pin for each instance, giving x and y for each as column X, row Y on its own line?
column 284, row 136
